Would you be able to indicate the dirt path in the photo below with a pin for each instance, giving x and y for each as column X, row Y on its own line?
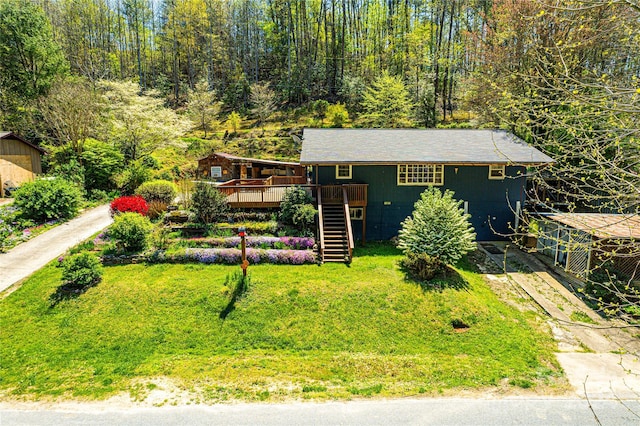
column 26, row 258
column 600, row 357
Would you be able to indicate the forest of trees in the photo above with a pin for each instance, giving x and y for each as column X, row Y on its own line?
column 562, row 75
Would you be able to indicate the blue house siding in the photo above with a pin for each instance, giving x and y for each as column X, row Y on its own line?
column 491, row 202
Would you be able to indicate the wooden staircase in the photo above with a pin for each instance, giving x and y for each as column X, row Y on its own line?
column 336, row 241
column 334, row 227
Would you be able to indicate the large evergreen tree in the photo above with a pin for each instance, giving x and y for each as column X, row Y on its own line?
column 438, row 227
column 387, row 104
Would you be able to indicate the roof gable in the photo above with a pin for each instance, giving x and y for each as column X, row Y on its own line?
column 11, row 135
column 393, row 146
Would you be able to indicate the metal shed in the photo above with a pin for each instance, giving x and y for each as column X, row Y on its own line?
column 582, row 242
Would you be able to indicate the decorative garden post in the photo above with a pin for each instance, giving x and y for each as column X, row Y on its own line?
column 243, row 247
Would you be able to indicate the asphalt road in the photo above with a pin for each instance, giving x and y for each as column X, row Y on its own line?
column 26, row 258
column 446, row 411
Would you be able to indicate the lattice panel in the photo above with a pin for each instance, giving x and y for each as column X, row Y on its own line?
column 578, row 253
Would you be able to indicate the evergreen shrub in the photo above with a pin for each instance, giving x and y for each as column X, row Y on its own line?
column 208, row 203
column 438, row 227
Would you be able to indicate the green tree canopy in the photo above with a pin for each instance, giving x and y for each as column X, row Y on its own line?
column 140, row 123
column 386, row 103
column 203, row 108
column 29, row 57
column 102, row 162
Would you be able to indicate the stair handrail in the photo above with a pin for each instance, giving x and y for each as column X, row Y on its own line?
column 347, row 220
column 320, row 225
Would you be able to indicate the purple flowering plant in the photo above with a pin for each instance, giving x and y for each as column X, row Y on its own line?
column 291, row 243
column 231, row 256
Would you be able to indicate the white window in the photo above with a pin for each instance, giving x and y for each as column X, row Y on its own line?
column 420, row 174
column 216, row 171
column 343, row 171
column 356, row 213
column 496, row 171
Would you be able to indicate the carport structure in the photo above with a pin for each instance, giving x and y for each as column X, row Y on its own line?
column 583, row 242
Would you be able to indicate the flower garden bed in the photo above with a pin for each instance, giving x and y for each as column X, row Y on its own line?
column 220, row 250
column 14, row 231
column 292, row 243
column 231, row 256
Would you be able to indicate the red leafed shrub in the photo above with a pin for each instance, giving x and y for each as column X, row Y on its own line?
column 134, row 204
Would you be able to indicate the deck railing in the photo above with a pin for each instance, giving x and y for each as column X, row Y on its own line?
column 256, row 196
column 347, row 220
column 320, row 226
column 237, row 182
column 256, row 193
column 356, row 194
column 286, row 180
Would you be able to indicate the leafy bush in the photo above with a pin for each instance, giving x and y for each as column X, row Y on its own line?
column 208, row 203
column 304, row 216
column 46, row 199
column 243, row 215
column 293, row 198
column 130, row 232
column 438, row 227
column 160, row 238
column 158, row 190
column 132, row 177
column 80, row 271
column 102, row 162
column 421, row 266
column 256, row 228
column 71, row 171
column 337, row 115
column 133, row 204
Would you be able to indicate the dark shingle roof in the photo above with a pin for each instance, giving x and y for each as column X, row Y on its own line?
column 251, row 160
column 391, row 146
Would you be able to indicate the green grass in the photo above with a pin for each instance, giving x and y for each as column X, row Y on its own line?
column 579, row 316
column 334, row 331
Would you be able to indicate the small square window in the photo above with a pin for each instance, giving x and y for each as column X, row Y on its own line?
column 496, row 172
column 343, row 171
column 356, row 213
column 216, row 171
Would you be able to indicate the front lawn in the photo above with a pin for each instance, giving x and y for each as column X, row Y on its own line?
column 333, row 331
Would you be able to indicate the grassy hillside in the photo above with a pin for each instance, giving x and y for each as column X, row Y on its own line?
column 301, row 331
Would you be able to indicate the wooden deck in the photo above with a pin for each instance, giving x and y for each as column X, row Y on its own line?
column 255, row 193
column 255, row 196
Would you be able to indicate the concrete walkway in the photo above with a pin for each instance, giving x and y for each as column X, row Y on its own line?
column 601, row 358
column 26, row 258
